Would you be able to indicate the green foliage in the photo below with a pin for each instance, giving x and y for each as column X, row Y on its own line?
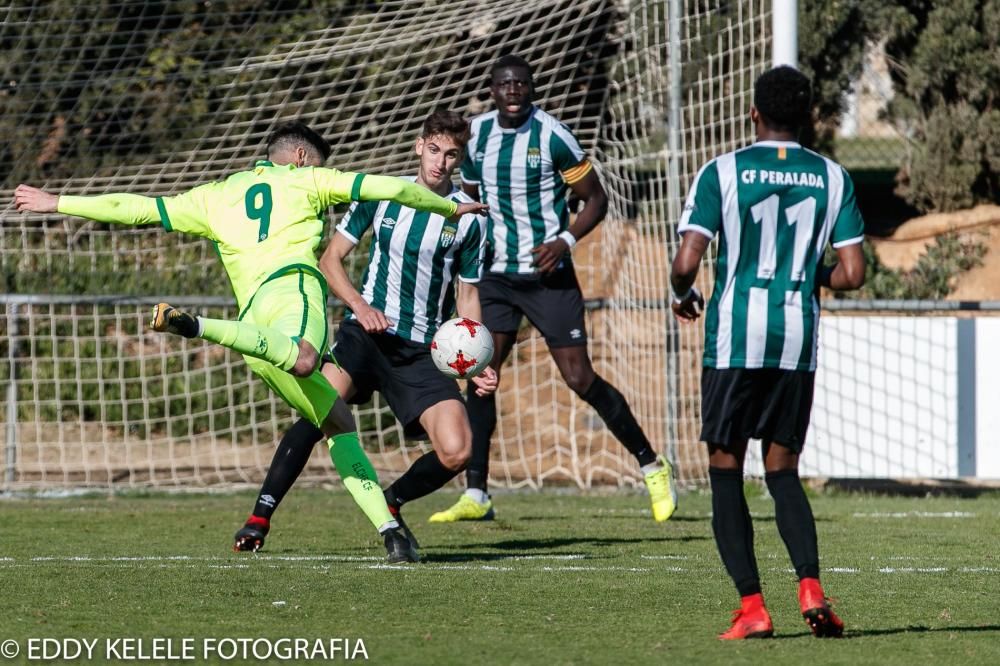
column 123, row 81
column 947, row 82
column 88, row 366
column 933, row 276
column 832, row 39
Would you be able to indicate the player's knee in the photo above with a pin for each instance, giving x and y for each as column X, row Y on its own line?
column 454, row 452
column 578, row 379
column 307, row 361
column 339, row 420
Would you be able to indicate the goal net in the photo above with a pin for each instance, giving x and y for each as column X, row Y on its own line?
column 157, row 97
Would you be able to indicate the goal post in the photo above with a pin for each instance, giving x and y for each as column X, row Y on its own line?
column 157, row 97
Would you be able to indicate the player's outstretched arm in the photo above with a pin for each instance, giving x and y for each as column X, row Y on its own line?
column 332, row 266
column 403, row 192
column 114, row 208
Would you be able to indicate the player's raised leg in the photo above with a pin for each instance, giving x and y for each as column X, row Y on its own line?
column 261, row 342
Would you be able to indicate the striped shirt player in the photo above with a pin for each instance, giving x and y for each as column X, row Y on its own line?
column 413, row 260
column 524, row 174
column 774, row 206
column 523, row 163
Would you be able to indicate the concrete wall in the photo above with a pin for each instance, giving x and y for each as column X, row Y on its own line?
column 915, row 396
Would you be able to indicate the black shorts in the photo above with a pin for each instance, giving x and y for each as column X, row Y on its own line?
column 400, row 369
column 553, row 304
column 767, row 404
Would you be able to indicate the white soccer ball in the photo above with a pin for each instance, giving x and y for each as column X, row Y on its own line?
column 462, row 348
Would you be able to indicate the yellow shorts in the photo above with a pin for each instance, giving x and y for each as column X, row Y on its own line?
column 295, row 304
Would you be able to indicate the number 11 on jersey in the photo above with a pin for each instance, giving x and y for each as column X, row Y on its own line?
column 802, row 215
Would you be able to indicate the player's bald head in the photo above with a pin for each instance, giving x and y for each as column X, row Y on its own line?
column 288, row 137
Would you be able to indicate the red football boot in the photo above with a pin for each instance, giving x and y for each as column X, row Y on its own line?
column 821, row 619
column 251, row 536
column 751, row 621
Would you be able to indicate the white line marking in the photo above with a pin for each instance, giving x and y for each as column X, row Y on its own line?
column 914, row 570
column 327, row 562
column 915, row 514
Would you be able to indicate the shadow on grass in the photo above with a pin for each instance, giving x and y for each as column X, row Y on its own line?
column 912, row 629
column 538, row 544
column 645, row 517
column 917, row 629
column 548, row 558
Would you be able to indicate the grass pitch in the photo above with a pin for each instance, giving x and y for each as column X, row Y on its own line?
column 558, row 579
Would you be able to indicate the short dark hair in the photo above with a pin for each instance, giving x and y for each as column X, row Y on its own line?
column 510, row 61
column 783, row 97
column 447, row 123
column 293, row 135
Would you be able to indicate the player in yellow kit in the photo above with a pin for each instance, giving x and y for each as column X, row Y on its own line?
column 267, row 225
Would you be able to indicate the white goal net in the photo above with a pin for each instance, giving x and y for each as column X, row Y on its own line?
column 156, row 97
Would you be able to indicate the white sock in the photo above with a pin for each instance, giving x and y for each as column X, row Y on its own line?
column 391, row 525
column 651, row 467
column 200, row 326
column 479, row 495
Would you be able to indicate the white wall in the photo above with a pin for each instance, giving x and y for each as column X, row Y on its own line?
column 904, row 397
column 987, row 427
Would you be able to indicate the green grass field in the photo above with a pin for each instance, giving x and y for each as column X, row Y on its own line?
column 559, row 579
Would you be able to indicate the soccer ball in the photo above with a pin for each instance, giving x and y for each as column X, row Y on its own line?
column 462, row 348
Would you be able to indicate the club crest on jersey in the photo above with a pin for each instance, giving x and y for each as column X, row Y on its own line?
column 534, row 157
column 448, row 235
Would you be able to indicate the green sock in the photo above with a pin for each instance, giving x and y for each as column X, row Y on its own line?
column 359, row 477
column 260, row 342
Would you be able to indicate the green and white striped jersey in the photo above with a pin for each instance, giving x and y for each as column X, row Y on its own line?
column 775, row 206
column 413, row 259
column 523, row 175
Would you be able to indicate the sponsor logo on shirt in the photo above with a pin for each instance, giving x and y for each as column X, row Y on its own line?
column 388, row 222
column 534, row 157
